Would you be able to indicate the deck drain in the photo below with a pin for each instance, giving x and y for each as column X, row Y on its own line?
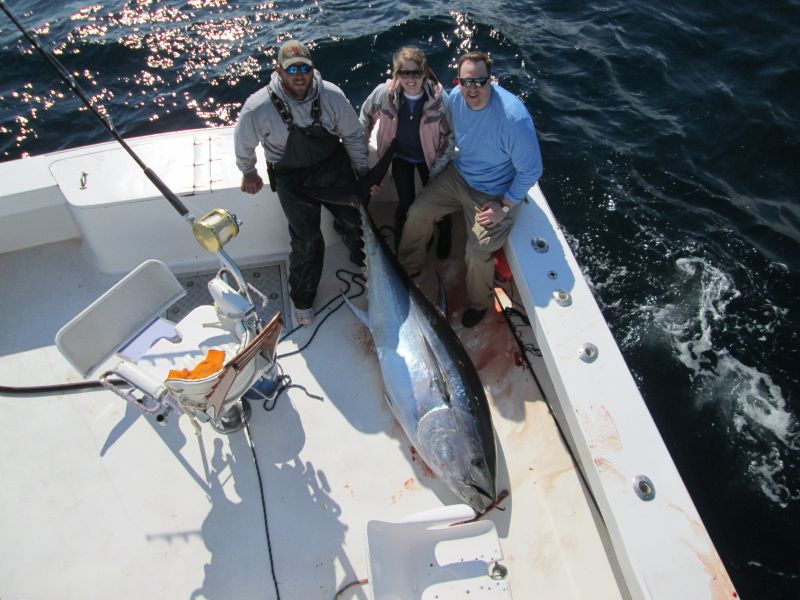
column 644, row 488
column 563, row 297
column 588, row 352
column 540, row 245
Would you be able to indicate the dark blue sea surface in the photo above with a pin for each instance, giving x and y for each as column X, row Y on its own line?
column 671, row 139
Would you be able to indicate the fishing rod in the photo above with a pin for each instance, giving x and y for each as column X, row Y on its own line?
column 212, row 231
column 104, row 119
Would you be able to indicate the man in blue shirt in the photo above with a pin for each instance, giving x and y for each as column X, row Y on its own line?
column 497, row 162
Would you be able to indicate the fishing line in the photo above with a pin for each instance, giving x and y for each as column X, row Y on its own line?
column 249, row 438
column 355, row 278
column 515, row 331
column 285, row 384
column 105, row 119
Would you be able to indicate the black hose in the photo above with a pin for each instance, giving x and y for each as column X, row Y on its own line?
column 356, row 278
column 74, row 386
column 249, row 439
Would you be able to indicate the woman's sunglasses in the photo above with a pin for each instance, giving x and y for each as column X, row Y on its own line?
column 412, row 73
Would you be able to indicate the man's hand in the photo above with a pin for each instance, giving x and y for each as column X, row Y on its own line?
column 490, row 215
column 374, row 191
column 252, row 183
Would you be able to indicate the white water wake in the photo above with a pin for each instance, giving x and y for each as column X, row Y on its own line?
column 751, row 403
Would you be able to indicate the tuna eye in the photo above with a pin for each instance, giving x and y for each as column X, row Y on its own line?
column 477, row 462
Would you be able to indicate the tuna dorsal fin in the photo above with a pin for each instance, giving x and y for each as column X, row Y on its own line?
column 437, row 377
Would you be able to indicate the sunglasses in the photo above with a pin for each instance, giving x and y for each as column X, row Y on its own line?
column 295, row 69
column 472, row 82
column 412, row 73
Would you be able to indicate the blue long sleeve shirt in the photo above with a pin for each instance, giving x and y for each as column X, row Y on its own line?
column 497, row 149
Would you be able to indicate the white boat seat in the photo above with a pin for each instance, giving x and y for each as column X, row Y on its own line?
column 119, row 316
column 125, row 320
column 426, row 557
column 199, row 332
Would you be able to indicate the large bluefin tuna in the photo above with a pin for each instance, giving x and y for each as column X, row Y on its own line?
column 431, row 384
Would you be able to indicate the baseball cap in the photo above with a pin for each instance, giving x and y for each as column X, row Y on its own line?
column 292, row 53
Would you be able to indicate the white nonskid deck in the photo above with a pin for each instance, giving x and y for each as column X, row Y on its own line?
column 109, row 504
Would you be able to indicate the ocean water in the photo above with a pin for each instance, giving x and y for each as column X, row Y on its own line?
column 671, row 140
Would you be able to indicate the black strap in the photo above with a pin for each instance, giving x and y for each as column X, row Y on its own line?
column 273, row 184
column 283, row 109
column 286, row 114
column 316, row 111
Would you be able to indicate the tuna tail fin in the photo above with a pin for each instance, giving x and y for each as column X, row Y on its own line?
column 358, row 193
column 342, row 196
column 375, row 175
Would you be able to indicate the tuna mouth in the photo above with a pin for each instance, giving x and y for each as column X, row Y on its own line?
column 482, row 492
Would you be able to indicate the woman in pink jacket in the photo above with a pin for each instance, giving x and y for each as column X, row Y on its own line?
column 412, row 109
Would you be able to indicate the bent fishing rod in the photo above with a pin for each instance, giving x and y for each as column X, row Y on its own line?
column 104, row 119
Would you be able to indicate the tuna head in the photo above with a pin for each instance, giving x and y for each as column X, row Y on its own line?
column 451, row 444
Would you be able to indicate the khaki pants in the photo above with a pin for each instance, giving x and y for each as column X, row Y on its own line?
column 446, row 194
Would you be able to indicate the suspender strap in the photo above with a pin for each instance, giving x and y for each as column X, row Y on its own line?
column 286, row 114
column 316, row 111
column 283, row 110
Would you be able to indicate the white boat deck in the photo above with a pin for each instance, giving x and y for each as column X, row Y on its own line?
column 110, row 504
column 98, row 501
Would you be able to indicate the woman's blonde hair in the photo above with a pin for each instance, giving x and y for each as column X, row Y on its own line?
column 413, row 54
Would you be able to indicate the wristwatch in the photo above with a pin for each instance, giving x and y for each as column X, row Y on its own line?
column 504, row 207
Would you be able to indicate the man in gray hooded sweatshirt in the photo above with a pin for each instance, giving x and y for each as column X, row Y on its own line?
column 311, row 137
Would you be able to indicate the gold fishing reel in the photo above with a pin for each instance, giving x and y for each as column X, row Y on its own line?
column 215, row 229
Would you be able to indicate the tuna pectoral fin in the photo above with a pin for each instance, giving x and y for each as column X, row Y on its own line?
column 434, row 369
column 359, row 314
